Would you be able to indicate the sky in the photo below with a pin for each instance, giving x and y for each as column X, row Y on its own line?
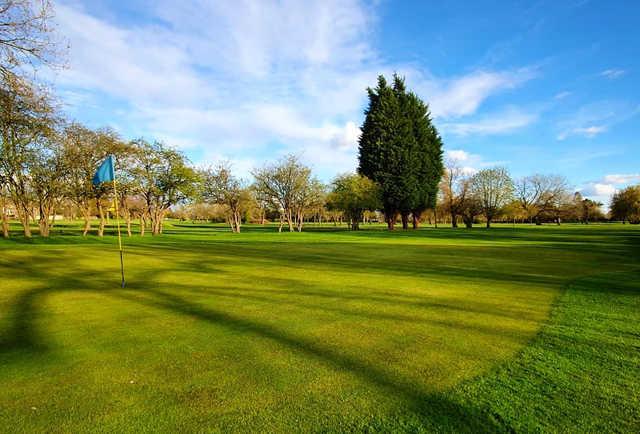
column 538, row 87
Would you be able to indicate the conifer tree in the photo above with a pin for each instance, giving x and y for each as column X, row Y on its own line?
column 401, row 150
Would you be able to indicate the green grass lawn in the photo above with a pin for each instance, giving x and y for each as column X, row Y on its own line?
column 525, row 329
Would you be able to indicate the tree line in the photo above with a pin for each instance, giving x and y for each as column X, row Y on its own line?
column 47, row 165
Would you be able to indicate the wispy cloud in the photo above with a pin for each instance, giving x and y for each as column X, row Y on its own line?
column 502, row 122
column 463, row 95
column 595, row 118
column 612, row 74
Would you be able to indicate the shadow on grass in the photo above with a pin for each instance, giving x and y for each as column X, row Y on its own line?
column 21, row 340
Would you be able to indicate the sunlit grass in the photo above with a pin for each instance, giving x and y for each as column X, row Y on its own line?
column 323, row 330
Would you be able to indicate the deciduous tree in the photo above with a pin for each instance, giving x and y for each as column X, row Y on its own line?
column 165, row 179
column 625, row 205
column 494, row 189
column 221, row 187
column 354, row 194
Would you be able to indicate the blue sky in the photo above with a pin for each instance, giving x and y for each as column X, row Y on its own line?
column 539, row 87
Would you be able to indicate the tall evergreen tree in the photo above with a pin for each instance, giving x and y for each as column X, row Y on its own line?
column 401, row 150
column 379, row 151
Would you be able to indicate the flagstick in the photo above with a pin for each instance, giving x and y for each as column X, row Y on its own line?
column 115, row 193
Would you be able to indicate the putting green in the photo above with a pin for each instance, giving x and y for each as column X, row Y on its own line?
column 278, row 332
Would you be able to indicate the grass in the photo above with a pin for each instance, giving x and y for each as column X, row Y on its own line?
column 508, row 329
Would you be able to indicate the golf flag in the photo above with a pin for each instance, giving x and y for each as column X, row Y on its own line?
column 105, row 172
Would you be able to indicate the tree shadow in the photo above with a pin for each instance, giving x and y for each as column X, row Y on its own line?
column 435, row 410
column 22, row 340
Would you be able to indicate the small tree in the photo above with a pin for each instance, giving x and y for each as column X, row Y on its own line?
column 353, row 195
column 221, row 187
column 165, row 179
column 47, row 167
column 455, row 188
column 494, row 189
column 288, row 185
column 470, row 208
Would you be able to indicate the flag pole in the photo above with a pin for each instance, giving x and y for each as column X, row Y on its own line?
column 115, row 194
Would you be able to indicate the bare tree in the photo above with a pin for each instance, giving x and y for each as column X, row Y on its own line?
column 455, row 188
column 310, row 196
column 494, row 188
column 540, row 194
column 27, row 37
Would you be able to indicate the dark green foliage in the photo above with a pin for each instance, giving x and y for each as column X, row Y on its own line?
column 401, row 150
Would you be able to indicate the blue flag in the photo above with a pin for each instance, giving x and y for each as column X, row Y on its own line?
column 105, row 172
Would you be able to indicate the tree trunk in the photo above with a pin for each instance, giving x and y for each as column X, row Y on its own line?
column 454, row 220
column 390, row 217
column 155, row 223
column 290, row 220
column 43, row 222
column 102, row 220
column 416, row 219
column 404, row 217
column 5, row 221
column 24, row 219
column 391, row 223
column 87, row 224
column 300, row 221
column 127, row 219
column 488, row 223
column 143, row 224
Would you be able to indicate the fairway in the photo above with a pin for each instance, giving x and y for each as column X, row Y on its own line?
column 523, row 328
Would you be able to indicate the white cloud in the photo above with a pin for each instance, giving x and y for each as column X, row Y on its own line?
column 612, row 74
column 562, row 95
column 497, row 123
column 469, row 162
column 462, row 96
column 603, row 189
column 599, row 189
column 622, row 178
column 229, row 78
column 595, row 118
